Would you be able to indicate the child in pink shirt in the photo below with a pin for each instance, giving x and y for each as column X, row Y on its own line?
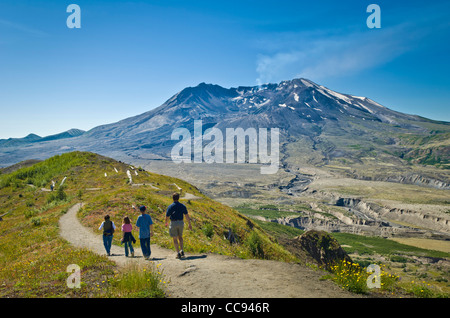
column 127, row 236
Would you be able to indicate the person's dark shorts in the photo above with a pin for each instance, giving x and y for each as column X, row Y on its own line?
column 176, row 228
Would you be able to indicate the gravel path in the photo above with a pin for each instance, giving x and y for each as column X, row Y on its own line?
column 211, row 275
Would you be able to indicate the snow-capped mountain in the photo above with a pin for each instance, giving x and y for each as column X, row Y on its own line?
column 332, row 124
column 293, row 106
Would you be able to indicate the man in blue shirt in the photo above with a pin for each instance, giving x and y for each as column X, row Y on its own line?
column 175, row 213
column 145, row 225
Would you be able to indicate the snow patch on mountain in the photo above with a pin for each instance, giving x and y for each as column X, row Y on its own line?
column 306, row 83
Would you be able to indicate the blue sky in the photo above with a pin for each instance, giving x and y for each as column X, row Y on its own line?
column 131, row 56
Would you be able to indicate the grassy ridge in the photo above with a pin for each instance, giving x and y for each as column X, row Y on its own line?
column 33, row 258
column 42, row 173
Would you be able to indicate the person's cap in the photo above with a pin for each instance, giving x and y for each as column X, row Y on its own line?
column 142, row 208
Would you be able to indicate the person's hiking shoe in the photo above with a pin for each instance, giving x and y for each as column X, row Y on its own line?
column 179, row 255
column 182, row 253
column 132, row 254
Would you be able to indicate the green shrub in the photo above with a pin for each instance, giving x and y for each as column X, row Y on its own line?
column 398, row 259
column 208, row 230
column 255, row 245
column 36, row 221
column 30, row 213
column 59, row 195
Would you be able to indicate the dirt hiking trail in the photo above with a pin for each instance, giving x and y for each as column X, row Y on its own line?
column 211, row 275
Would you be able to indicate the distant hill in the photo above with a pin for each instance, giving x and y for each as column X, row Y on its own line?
column 33, row 138
column 11, row 142
column 67, row 134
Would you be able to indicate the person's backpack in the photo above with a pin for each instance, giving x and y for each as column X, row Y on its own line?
column 108, row 228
